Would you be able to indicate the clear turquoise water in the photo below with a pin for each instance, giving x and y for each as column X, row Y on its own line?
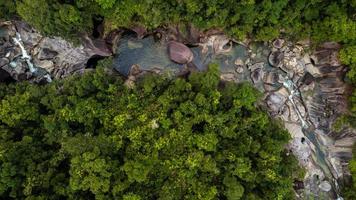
column 150, row 54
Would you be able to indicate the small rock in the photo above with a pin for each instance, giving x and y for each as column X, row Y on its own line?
column 13, row 64
column 47, row 65
column 314, row 71
column 134, row 45
column 239, row 69
column 135, row 70
column 228, row 77
column 325, row 186
column 275, row 58
column 130, row 82
column 239, row 62
column 257, row 75
column 278, row 43
column 140, row 31
column 297, row 49
column 179, row 53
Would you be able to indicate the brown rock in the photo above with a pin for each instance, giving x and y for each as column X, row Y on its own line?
column 179, row 53
column 140, row 31
column 275, row 58
column 278, row 43
column 257, row 75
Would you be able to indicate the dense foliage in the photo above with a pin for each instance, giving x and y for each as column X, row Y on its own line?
column 91, row 137
column 263, row 19
column 46, row 123
column 349, row 191
column 348, row 57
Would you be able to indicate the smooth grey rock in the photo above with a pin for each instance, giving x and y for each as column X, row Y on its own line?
column 325, row 186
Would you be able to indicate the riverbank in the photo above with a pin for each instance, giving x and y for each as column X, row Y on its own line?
column 304, row 89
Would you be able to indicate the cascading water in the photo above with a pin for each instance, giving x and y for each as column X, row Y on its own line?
column 25, row 56
column 308, row 131
column 240, row 63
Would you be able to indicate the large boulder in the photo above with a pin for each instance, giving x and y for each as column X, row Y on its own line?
column 179, row 53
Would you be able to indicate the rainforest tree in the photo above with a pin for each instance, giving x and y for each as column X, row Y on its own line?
column 263, row 20
column 91, row 137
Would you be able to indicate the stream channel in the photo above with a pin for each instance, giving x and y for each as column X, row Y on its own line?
column 238, row 63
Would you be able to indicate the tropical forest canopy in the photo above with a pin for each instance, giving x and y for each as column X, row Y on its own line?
column 185, row 138
column 261, row 19
column 320, row 20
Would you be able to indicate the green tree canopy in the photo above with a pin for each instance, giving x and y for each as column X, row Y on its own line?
column 91, row 137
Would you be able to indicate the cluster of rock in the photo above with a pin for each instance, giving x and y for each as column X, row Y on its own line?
column 305, row 90
column 319, row 79
column 27, row 55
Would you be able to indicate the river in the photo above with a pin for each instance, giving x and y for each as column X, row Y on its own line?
column 238, row 63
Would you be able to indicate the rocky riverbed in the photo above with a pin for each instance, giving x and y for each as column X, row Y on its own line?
column 27, row 55
column 302, row 88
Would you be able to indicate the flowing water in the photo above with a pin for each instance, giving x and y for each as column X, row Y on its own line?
column 147, row 53
column 150, row 54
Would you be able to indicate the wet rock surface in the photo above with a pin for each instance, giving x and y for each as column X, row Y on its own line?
column 303, row 89
column 43, row 58
column 321, row 98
